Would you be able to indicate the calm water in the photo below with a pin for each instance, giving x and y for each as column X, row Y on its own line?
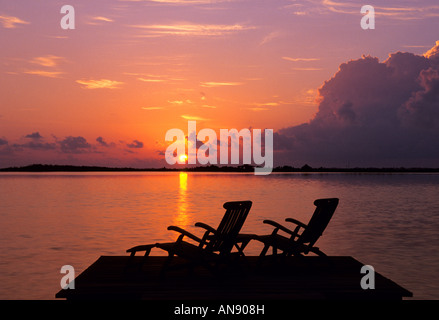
column 390, row 221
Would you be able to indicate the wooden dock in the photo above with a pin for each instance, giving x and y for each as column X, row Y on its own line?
column 295, row 278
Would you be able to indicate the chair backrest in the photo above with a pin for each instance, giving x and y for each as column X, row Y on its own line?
column 325, row 208
column 229, row 227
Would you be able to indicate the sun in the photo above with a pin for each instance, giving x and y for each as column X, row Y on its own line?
column 183, row 158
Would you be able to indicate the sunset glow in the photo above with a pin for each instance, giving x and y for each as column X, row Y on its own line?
column 183, row 158
column 106, row 92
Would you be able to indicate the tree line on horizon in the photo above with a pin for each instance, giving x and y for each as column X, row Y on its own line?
column 210, row 168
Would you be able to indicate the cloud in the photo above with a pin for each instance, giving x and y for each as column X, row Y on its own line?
column 75, row 145
column 10, row 22
column 190, row 29
column 398, row 12
column 46, row 61
column 35, row 135
column 151, row 80
column 184, row 2
column 422, row 109
column 152, row 108
column 104, row 19
column 43, row 73
column 269, row 37
column 179, row 2
column 258, row 109
column 433, row 53
column 180, row 102
column 266, row 104
column 220, row 84
column 5, row 149
column 100, row 84
column 36, row 145
column 300, row 59
column 193, row 118
column 101, row 142
column 136, row 144
column 307, row 69
column 371, row 113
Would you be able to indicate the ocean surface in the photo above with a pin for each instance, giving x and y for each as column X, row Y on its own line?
column 48, row 220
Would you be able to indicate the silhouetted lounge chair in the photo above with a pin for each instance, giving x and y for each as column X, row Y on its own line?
column 302, row 239
column 215, row 246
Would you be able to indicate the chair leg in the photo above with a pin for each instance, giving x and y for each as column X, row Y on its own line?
column 142, row 262
column 264, row 251
column 166, row 264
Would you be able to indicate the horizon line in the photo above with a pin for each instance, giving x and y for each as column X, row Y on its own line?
column 238, row 168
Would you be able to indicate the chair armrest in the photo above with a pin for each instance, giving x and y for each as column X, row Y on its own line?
column 184, row 233
column 279, row 226
column 205, row 226
column 300, row 224
column 147, row 248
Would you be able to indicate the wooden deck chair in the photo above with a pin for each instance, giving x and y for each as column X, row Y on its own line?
column 215, row 246
column 300, row 240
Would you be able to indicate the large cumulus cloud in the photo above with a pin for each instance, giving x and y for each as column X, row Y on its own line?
column 371, row 113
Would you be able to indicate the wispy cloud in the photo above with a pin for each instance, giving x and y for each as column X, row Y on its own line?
column 300, row 59
column 43, row 73
column 219, row 84
column 412, row 11
column 104, row 19
column 263, row 106
column 46, row 61
column 309, row 97
column 269, row 37
column 192, row 29
column 415, row 46
column 100, row 84
column 99, row 20
column 152, row 108
column 307, row 69
column 10, row 22
column 258, row 109
column 136, row 144
column 408, row 12
column 193, row 118
column 266, row 104
column 180, row 102
column 179, row 2
column 151, row 80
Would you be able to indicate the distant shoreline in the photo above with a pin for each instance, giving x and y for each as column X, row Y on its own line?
column 212, row 168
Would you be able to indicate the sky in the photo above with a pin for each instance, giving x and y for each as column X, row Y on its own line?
column 106, row 92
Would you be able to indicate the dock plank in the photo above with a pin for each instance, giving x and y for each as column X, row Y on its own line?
column 122, row 277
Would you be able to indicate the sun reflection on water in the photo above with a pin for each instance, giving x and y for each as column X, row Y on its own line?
column 182, row 218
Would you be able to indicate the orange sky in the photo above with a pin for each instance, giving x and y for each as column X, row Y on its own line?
column 131, row 70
